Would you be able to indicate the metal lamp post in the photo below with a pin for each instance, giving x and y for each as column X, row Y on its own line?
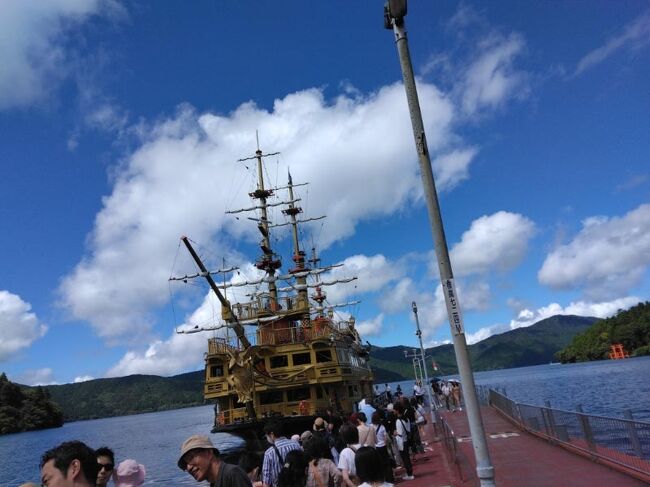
column 394, row 13
column 417, row 365
column 424, row 361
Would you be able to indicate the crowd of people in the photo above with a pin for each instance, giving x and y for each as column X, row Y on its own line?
column 75, row 464
column 362, row 449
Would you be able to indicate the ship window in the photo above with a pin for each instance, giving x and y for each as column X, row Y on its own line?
column 216, row 370
column 271, row 397
column 323, row 356
column 279, row 361
column 298, row 394
column 301, row 358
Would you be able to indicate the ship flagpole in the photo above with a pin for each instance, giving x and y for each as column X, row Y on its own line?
column 394, row 13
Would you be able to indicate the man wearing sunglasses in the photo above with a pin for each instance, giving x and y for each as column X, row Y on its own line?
column 201, row 460
column 106, row 464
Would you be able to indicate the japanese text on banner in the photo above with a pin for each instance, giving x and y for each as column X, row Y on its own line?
column 453, row 307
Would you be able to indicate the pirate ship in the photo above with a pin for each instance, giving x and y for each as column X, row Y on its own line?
column 289, row 357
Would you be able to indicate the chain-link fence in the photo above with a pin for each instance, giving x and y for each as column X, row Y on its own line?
column 624, row 442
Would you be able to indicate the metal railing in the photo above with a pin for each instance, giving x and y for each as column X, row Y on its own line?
column 623, row 442
column 454, row 454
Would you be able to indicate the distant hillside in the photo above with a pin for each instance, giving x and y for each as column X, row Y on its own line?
column 631, row 328
column 26, row 408
column 522, row 347
column 145, row 393
column 119, row 396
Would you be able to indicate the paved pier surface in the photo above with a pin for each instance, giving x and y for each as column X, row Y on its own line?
column 519, row 459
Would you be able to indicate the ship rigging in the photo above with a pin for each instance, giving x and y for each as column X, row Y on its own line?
column 299, row 361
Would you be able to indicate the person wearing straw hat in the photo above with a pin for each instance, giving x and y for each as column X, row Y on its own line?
column 200, row 458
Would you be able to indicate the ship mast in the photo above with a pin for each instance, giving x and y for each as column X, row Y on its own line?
column 269, row 262
column 298, row 255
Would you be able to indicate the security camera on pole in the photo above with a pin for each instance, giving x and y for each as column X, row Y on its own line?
column 394, row 13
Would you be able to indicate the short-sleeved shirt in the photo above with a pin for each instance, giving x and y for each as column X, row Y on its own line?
column 231, row 476
column 346, row 459
column 272, row 463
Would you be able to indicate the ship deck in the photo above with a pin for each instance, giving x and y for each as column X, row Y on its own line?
column 519, row 459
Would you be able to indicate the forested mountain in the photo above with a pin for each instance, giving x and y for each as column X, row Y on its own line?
column 119, row 396
column 630, row 328
column 532, row 345
column 26, row 409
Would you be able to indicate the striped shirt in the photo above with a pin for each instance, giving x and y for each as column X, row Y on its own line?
column 272, row 464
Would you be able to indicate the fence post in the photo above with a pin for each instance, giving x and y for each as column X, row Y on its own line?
column 551, row 418
column 631, row 431
column 586, row 428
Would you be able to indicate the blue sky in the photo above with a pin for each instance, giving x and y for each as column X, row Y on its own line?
column 121, row 123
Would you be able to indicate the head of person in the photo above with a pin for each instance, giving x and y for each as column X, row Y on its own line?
column 199, row 457
column 105, row 463
column 376, row 418
column 129, row 473
column 366, row 461
column 315, row 448
column 72, row 463
column 390, row 407
column 273, row 430
column 294, row 470
column 251, row 463
column 361, row 417
column 305, row 436
column 399, row 409
column 349, row 434
column 414, row 402
column 320, row 424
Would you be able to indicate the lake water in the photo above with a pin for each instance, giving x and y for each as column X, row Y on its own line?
column 605, row 388
column 154, row 439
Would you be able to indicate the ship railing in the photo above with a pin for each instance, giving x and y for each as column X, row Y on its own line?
column 267, row 335
column 620, row 443
column 262, row 306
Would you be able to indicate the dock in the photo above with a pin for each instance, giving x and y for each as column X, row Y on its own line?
column 519, row 459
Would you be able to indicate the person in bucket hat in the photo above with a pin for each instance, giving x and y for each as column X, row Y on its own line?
column 129, row 473
column 200, row 458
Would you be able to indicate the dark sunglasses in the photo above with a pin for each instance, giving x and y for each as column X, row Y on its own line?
column 106, row 466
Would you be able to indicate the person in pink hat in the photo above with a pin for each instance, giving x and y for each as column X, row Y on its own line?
column 129, row 473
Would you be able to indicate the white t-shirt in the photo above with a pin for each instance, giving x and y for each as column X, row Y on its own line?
column 346, row 459
column 381, row 435
column 402, row 426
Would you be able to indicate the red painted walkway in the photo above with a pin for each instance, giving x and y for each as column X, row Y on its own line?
column 519, row 459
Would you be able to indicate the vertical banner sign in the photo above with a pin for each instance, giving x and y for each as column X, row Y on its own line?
column 453, row 307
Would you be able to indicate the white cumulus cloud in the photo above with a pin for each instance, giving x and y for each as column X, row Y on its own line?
column 607, row 258
column 36, row 377
column 371, row 327
column 19, row 326
column 491, row 79
column 83, row 378
column 32, row 44
column 498, row 241
column 183, row 178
